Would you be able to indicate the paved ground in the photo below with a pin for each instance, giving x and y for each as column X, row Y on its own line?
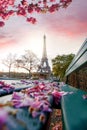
column 56, row 121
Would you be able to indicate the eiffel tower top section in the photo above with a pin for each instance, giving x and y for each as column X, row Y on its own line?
column 44, row 49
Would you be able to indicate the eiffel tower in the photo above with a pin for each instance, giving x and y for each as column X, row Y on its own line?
column 44, row 67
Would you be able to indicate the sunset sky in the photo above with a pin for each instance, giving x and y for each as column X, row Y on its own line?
column 65, row 31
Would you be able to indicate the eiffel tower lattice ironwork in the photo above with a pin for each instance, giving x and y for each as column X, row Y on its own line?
column 44, row 66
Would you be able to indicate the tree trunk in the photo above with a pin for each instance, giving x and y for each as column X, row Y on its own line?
column 9, row 71
column 29, row 74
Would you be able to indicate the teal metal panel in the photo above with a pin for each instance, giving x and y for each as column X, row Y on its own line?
column 79, row 59
column 74, row 109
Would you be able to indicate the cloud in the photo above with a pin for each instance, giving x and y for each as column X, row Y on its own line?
column 71, row 21
column 2, row 36
column 6, row 43
column 6, row 40
column 10, row 37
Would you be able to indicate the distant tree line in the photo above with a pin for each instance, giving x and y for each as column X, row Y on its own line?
column 29, row 62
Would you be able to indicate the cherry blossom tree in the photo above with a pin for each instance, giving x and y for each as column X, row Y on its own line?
column 26, row 8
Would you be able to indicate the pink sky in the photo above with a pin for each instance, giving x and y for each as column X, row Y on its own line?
column 66, row 30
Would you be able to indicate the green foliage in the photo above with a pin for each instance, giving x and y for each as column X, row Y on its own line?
column 60, row 63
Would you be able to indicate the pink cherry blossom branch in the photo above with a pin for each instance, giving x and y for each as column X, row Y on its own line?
column 25, row 8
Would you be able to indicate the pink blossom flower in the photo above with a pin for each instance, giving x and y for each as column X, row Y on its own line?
column 2, row 83
column 8, row 87
column 52, row 0
column 21, row 11
column 31, row 20
column 38, row 9
column 35, row 113
column 46, row 108
column 30, row 9
column 17, row 95
column 3, row 117
column 21, row 100
column 36, row 104
column 57, row 96
column 42, row 86
column 16, row 103
column 5, row 86
column 2, row 23
column 36, row 82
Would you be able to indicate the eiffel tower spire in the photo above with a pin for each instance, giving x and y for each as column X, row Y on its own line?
column 44, row 48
